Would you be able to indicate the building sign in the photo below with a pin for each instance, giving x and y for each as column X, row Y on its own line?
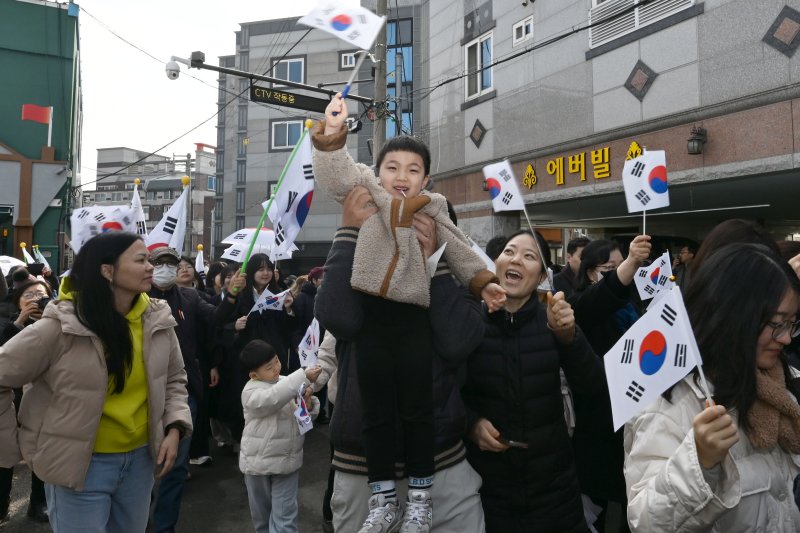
column 591, row 163
column 285, row 99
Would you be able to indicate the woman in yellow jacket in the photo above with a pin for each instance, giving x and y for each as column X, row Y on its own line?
column 108, row 404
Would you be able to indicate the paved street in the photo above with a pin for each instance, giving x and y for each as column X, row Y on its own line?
column 215, row 498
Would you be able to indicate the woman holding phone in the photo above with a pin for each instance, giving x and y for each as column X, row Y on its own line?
column 519, row 442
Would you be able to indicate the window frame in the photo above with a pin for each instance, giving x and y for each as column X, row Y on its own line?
column 522, row 24
column 351, row 64
column 288, row 146
column 288, row 60
column 480, row 72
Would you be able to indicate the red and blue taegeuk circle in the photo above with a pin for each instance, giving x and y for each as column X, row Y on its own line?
column 654, row 275
column 303, row 208
column 652, row 352
column 658, row 179
column 111, row 225
column 494, row 187
column 341, row 22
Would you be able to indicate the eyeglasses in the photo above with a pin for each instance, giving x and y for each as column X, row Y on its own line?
column 34, row 295
column 185, row 267
column 779, row 328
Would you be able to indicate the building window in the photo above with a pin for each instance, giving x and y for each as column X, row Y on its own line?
column 239, row 222
column 286, row 134
column 639, row 17
column 217, row 232
column 244, row 61
column 522, row 31
column 241, row 172
column 146, row 209
column 218, row 208
column 211, row 185
column 241, row 149
column 292, row 69
column 347, row 60
column 478, row 58
column 239, row 200
column 220, row 160
column 243, row 118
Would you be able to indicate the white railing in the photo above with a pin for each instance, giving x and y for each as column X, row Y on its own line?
column 635, row 17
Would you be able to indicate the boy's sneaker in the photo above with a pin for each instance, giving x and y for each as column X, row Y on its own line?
column 384, row 516
column 419, row 512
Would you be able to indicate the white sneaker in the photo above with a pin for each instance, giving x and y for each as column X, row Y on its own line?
column 419, row 512
column 383, row 517
column 204, row 460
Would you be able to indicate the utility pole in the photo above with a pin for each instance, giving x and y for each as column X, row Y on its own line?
column 379, row 126
column 398, row 91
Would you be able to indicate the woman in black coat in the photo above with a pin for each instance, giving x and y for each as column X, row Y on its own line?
column 606, row 305
column 519, row 442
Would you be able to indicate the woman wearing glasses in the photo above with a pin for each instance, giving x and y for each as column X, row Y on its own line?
column 728, row 467
column 605, row 304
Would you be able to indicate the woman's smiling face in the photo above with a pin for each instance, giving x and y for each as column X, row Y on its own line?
column 519, row 267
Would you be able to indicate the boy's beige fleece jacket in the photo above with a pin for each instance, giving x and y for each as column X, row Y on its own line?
column 389, row 261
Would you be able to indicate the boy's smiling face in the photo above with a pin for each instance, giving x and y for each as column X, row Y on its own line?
column 402, row 172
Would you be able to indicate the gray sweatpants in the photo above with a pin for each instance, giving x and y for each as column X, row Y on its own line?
column 456, row 502
column 273, row 502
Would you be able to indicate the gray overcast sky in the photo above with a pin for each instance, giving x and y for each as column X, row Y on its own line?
column 128, row 99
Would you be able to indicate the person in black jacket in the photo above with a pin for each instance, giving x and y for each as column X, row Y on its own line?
column 564, row 281
column 605, row 303
column 192, row 314
column 339, row 309
column 519, row 442
column 304, row 311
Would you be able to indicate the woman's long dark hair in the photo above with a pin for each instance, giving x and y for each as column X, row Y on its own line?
column 215, row 269
column 254, row 265
column 595, row 253
column 94, row 301
column 730, row 299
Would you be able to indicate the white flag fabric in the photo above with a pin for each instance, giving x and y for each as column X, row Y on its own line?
column 292, row 200
column 645, row 182
column 267, row 300
column 353, row 24
column 486, row 259
column 244, row 236
column 503, row 188
column 652, row 279
column 138, row 212
column 171, row 229
column 309, row 346
column 7, row 262
column 238, row 252
column 87, row 222
column 40, row 258
column 433, row 260
column 301, row 414
column 200, row 265
column 28, row 258
column 654, row 354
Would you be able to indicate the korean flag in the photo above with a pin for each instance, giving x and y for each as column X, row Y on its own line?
column 645, row 182
column 651, row 279
column 503, row 188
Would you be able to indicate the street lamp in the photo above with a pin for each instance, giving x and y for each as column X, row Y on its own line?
column 696, row 141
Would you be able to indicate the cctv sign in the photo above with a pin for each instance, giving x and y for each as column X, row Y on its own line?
column 282, row 98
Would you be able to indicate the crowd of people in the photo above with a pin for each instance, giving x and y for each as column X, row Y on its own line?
column 478, row 394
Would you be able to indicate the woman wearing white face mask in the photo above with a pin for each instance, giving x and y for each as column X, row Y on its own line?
column 604, row 304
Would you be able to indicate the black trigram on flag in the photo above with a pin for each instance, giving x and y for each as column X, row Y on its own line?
column 100, row 217
column 669, row 315
column 83, row 214
column 308, row 172
column 643, row 197
column 627, row 352
column 643, row 273
column 635, row 391
column 141, row 228
column 507, row 197
column 637, row 169
column 662, row 279
column 235, row 252
column 680, row 355
column 649, row 289
column 170, row 225
column 240, row 237
column 280, row 236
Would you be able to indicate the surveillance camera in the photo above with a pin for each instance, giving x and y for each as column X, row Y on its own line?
column 173, row 70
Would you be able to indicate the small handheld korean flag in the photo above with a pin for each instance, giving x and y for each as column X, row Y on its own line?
column 37, row 254
column 309, row 346
column 171, row 229
column 25, row 255
column 301, row 414
column 503, row 188
column 93, row 220
column 355, row 25
column 651, row 279
column 645, row 182
column 654, row 354
column 200, row 264
column 138, row 210
column 269, row 301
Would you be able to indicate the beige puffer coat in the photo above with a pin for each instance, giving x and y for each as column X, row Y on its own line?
column 65, row 364
column 668, row 491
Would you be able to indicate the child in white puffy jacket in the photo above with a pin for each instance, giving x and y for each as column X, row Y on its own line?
column 271, row 452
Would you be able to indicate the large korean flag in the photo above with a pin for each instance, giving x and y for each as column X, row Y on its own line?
column 657, row 352
column 89, row 221
column 292, row 201
column 171, row 229
column 355, row 25
column 269, row 301
column 651, row 279
column 503, row 188
column 645, row 182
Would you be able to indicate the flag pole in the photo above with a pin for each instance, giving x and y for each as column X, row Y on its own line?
column 693, row 342
column 539, row 248
column 50, row 128
column 644, row 221
column 346, row 90
column 308, row 124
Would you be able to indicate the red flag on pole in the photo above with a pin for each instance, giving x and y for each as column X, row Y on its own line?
column 36, row 113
